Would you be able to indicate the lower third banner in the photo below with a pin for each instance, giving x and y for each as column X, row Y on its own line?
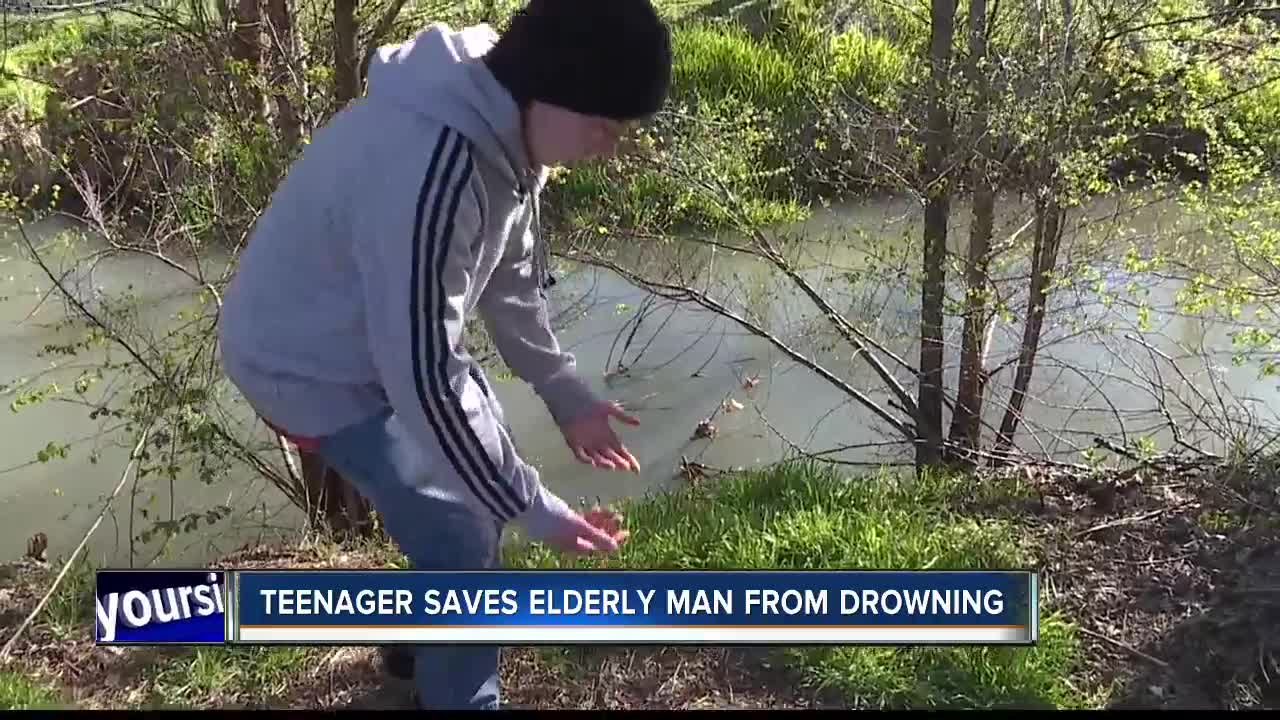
column 635, row 608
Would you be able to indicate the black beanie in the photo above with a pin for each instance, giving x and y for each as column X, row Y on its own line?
column 609, row 58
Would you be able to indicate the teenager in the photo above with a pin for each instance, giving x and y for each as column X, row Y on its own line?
column 414, row 208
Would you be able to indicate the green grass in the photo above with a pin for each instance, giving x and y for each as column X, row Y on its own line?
column 20, row 693
column 796, row 59
column 802, row 517
column 21, row 91
column 717, row 61
column 225, row 675
column 749, row 111
column 66, row 611
column 747, row 104
column 791, row 517
column 34, row 47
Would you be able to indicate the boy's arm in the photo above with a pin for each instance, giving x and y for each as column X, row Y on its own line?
column 417, row 266
column 514, row 310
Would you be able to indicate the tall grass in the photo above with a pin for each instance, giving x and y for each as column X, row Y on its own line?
column 749, row 104
column 718, row 61
column 27, row 50
column 795, row 60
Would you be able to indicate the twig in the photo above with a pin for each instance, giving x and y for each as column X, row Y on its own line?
column 1158, row 561
column 849, row 331
column 133, row 457
column 167, row 382
column 1130, row 520
column 1125, row 646
column 682, row 293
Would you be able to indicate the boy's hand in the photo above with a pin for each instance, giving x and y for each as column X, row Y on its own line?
column 599, row 531
column 594, row 442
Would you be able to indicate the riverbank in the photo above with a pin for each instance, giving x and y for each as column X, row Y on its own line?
column 1155, row 595
column 784, row 105
column 752, row 83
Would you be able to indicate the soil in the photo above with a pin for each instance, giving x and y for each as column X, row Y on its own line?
column 1173, row 579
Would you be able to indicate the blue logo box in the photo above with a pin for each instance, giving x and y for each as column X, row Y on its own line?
column 160, row 607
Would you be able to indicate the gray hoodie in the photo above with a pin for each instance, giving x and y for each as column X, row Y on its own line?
column 413, row 207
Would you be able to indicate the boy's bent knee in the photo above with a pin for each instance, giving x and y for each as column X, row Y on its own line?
column 435, row 533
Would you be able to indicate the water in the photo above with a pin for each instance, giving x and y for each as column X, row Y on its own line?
column 683, row 363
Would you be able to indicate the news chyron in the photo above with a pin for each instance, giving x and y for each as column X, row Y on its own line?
column 161, row 607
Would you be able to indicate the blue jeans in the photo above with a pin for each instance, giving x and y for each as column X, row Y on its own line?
column 380, row 458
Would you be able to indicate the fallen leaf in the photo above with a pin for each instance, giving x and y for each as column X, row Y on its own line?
column 731, row 405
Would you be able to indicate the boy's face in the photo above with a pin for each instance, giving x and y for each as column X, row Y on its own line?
column 556, row 136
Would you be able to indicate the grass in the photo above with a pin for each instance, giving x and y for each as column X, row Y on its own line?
column 796, row 517
column 260, row 673
column 789, row 517
column 759, row 111
column 31, row 48
column 19, row 693
column 21, row 91
column 802, row 517
column 66, row 611
column 748, row 112
column 716, row 61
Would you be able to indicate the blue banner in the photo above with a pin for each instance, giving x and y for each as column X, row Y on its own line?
column 636, row 607
column 158, row 607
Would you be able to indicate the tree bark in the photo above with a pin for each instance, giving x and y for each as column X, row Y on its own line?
column 346, row 64
column 283, row 46
column 1045, row 256
column 333, row 500
column 936, row 216
column 966, row 419
column 1049, row 228
column 246, row 49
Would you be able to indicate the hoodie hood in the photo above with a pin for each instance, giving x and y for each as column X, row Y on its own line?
column 439, row 74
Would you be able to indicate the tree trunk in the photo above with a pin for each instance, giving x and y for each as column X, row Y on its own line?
column 375, row 38
column 1044, row 259
column 332, row 499
column 346, row 64
column 966, row 420
column 246, row 49
column 936, row 216
column 287, row 75
column 1049, row 228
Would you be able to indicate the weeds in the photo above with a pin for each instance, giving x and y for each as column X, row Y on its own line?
column 72, row 602
column 19, row 693
column 226, row 676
